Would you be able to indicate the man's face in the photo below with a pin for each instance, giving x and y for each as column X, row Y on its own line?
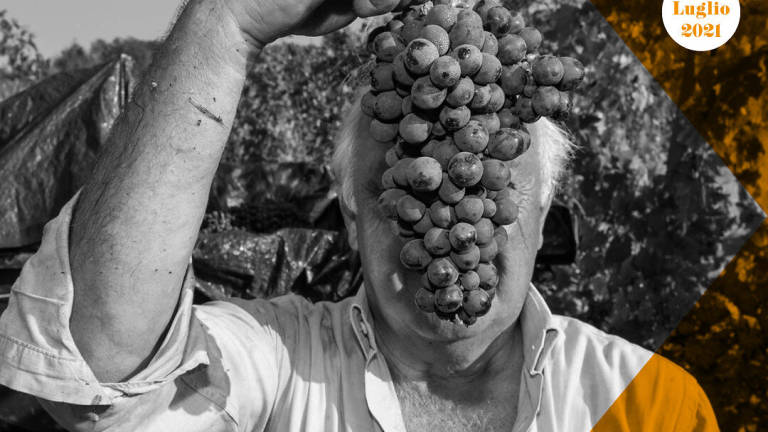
column 391, row 287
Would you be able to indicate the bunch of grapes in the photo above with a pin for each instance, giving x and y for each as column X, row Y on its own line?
column 450, row 92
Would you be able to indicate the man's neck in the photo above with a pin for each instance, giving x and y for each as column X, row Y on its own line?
column 467, row 371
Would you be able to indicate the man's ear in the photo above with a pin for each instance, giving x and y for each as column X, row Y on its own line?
column 545, row 206
column 350, row 220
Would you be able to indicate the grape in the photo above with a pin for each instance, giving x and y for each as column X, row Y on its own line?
column 425, row 283
column 470, row 17
column 512, row 49
column 400, row 171
column 469, row 209
column 506, row 212
column 442, row 214
column 490, row 70
column 444, row 151
column 573, row 73
column 426, row 95
column 467, row 259
column 466, row 32
column 490, row 122
column 419, row 56
column 491, row 293
column 442, row 273
column 462, row 236
column 471, row 138
column 386, row 46
column 391, row 157
column 491, row 44
column 436, row 242
column 496, row 175
column 382, row 77
column 532, row 38
column 414, row 256
column 530, row 89
column 414, row 129
column 498, row 21
column 383, row 132
column 470, row 59
column 496, row 102
column 476, row 302
column 423, row 225
column 489, row 208
column 489, row 275
column 546, row 100
column 409, row 209
column 425, row 300
column 461, row 94
column 388, row 180
column 438, row 130
column 407, row 105
column 482, row 98
column 404, row 230
column 484, row 230
column 524, row 107
column 411, row 30
column 517, row 23
column 454, row 119
column 483, row 6
column 438, row 36
column 469, row 281
column 425, row 174
column 367, row 102
column 442, row 15
column 508, row 120
column 395, row 26
column 449, row 193
column 508, row 144
column 477, row 191
column 401, row 74
column 547, row 70
column 389, row 106
column 465, row 169
column 489, row 252
column 388, row 202
column 466, row 318
column 513, row 80
column 564, row 104
column 449, row 299
column 445, row 72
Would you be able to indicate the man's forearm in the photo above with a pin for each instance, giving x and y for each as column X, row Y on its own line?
column 137, row 219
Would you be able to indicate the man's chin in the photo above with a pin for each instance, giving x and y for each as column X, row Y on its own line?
column 448, row 328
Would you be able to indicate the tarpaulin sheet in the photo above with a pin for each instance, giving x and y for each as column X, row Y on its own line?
column 50, row 135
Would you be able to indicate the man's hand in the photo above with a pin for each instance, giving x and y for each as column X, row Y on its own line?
column 266, row 20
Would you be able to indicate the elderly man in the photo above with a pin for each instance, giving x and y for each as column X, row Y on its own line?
column 102, row 329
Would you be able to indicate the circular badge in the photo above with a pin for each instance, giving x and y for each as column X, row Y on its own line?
column 701, row 25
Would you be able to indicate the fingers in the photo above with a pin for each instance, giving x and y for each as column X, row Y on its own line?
column 367, row 8
column 320, row 24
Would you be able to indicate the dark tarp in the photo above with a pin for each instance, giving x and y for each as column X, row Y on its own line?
column 50, row 135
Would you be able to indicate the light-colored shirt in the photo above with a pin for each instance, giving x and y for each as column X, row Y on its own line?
column 289, row 365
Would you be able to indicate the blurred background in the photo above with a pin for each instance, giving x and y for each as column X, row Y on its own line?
column 645, row 221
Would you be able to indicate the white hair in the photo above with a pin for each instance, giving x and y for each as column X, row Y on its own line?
column 553, row 144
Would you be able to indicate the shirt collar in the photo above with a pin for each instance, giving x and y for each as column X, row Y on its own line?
column 538, row 328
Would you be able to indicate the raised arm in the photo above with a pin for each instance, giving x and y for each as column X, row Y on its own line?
column 137, row 219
